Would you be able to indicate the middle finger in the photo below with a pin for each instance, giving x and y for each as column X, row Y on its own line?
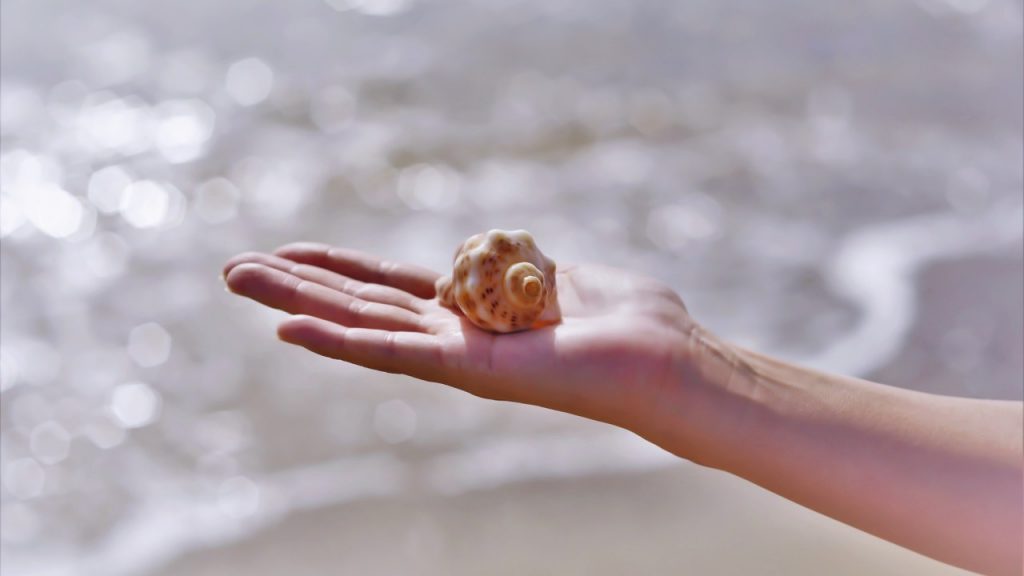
column 284, row 291
column 363, row 290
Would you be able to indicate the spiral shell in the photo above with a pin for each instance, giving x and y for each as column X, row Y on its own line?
column 502, row 283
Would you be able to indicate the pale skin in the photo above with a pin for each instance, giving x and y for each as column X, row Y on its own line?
column 936, row 474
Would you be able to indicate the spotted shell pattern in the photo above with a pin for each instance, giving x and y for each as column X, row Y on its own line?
column 501, row 282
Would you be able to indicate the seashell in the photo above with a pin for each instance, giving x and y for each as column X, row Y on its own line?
column 501, row 282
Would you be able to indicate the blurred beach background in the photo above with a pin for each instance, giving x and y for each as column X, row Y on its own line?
column 836, row 183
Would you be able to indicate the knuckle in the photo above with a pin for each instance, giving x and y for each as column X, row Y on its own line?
column 295, row 286
column 390, row 344
column 357, row 307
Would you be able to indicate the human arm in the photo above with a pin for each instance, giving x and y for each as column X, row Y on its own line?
column 936, row 474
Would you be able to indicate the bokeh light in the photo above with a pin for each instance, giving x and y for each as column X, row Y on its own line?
column 249, row 81
column 50, row 442
column 135, row 404
column 394, row 421
column 145, row 203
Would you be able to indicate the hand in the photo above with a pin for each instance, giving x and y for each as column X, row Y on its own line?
column 614, row 354
column 939, row 475
column 627, row 353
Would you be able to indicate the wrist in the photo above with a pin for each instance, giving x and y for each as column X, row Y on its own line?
column 710, row 407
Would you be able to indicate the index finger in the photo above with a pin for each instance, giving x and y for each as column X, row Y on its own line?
column 364, row 267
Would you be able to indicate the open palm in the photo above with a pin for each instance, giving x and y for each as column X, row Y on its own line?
column 616, row 347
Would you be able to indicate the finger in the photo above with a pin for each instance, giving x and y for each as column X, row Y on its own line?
column 362, row 290
column 413, row 353
column 364, row 267
column 292, row 294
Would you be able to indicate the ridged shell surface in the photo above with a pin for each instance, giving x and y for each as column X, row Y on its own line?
column 502, row 282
